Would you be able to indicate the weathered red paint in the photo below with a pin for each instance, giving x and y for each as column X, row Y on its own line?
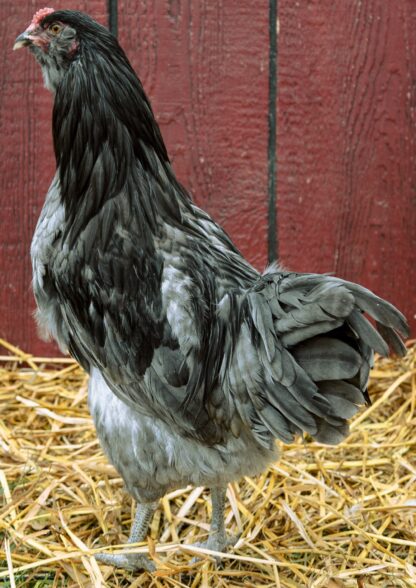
column 347, row 142
column 205, row 67
column 346, row 133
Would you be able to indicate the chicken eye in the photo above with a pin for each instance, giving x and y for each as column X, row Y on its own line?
column 55, row 28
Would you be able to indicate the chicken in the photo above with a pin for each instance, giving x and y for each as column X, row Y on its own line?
column 197, row 362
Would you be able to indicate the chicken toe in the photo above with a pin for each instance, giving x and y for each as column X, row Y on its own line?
column 138, row 532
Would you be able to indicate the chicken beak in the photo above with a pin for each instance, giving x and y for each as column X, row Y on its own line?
column 22, row 41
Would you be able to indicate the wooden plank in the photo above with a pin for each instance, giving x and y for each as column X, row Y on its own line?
column 26, row 167
column 347, row 144
column 205, row 67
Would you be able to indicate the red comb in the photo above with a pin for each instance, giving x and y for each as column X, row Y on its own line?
column 40, row 15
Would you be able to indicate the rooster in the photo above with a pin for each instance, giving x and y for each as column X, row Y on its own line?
column 197, row 362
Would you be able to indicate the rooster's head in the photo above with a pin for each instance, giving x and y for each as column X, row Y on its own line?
column 56, row 38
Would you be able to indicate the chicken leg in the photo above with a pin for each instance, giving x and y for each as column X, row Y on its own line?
column 138, row 532
column 217, row 540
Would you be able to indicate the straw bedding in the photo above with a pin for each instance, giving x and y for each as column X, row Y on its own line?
column 334, row 517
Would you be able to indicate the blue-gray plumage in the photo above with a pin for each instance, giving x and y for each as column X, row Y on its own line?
column 197, row 362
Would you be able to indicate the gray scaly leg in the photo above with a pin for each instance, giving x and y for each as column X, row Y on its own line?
column 218, row 540
column 138, row 532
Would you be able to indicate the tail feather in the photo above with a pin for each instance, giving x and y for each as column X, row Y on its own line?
column 336, row 302
column 310, row 349
column 331, row 435
column 392, row 339
column 344, row 398
column 344, row 390
column 292, row 338
column 367, row 333
column 380, row 310
column 326, row 358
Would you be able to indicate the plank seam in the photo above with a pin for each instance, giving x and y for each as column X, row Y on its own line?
column 273, row 242
column 112, row 8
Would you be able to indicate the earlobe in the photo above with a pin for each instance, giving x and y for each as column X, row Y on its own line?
column 73, row 48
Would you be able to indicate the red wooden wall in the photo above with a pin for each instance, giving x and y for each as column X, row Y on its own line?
column 347, row 142
column 346, row 133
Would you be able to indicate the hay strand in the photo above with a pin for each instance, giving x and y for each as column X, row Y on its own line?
column 322, row 517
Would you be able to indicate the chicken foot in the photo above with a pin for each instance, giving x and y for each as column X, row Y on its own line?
column 218, row 539
column 138, row 532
